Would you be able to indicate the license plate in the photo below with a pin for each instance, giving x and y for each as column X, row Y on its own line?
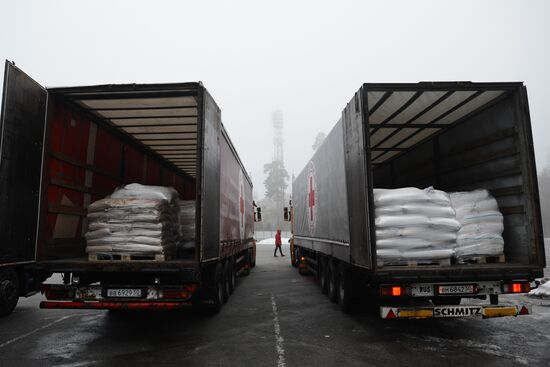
column 456, row 289
column 124, row 293
column 422, row 290
column 458, row 311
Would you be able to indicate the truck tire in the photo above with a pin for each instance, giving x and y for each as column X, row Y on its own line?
column 232, row 275
column 247, row 264
column 346, row 289
column 211, row 295
column 332, row 277
column 9, row 291
column 295, row 256
column 225, row 281
column 323, row 281
column 253, row 256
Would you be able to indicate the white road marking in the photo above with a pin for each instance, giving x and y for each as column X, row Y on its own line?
column 5, row 344
column 278, row 337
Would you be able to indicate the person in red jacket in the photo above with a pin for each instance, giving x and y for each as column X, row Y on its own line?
column 278, row 243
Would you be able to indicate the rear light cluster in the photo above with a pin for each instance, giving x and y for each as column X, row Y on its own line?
column 516, row 287
column 57, row 293
column 179, row 293
column 393, row 291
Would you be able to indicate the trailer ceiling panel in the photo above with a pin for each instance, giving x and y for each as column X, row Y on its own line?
column 165, row 112
column 163, row 120
column 402, row 116
column 161, row 101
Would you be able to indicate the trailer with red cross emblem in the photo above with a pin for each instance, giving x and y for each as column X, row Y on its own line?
column 454, row 136
column 63, row 148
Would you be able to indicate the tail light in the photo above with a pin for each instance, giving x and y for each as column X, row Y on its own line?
column 179, row 293
column 174, row 293
column 516, row 287
column 392, row 291
column 57, row 293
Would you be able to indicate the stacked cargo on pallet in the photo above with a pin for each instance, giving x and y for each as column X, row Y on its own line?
column 414, row 225
column 135, row 219
column 429, row 226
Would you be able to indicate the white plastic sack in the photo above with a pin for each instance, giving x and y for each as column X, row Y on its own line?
column 416, row 232
column 401, row 221
column 407, row 195
column 428, row 210
column 445, row 224
column 482, row 248
column 482, row 227
column 136, row 190
column 459, row 199
column 485, row 205
column 432, row 254
column 486, row 217
column 404, row 244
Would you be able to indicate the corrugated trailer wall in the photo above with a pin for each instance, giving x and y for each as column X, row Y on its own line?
column 85, row 162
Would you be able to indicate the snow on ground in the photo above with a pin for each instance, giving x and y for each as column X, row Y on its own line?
column 271, row 241
column 543, row 290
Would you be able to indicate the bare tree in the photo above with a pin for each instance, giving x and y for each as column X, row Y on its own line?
column 318, row 140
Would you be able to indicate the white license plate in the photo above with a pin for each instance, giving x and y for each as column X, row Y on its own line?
column 124, row 293
column 456, row 289
column 458, row 311
column 422, row 290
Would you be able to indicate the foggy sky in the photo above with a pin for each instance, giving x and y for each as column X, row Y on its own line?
column 305, row 58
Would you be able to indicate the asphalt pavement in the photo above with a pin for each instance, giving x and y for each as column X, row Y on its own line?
column 276, row 317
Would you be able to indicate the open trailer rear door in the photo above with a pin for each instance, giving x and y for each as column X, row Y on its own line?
column 22, row 133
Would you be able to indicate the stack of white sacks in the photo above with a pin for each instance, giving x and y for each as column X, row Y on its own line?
column 430, row 225
column 134, row 219
column 481, row 222
column 414, row 225
column 187, row 224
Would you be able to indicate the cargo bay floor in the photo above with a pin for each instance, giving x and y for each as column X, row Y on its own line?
column 275, row 318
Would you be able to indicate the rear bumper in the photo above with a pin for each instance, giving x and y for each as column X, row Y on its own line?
column 114, row 305
column 429, row 312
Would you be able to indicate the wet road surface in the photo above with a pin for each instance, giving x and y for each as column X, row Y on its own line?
column 275, row 318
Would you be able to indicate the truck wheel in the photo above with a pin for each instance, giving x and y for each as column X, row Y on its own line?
column 247, row 263
column 211, row 295
column 323, row 276
column 345, row 289
column 253, row 256
column 9, row 291
column 295, row 256
column 231, row 275
column 225, row 281
column 332, row 277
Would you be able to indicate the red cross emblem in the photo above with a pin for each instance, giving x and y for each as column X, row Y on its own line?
column 311, row 197
column 311, row 189
column 241, row 202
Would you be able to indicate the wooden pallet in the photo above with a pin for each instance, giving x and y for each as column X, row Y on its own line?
column 417, row 263
column 483, row 260
column 123, row 257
